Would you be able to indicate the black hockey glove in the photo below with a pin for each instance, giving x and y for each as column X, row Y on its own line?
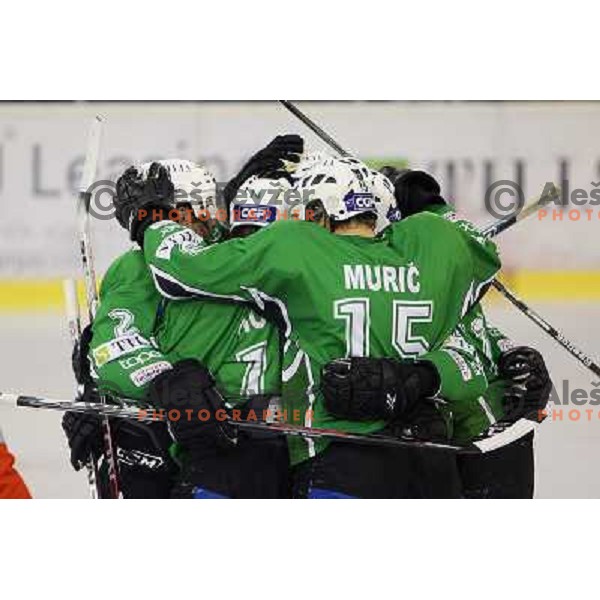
column 429, row 420
column 273, row 161
column 196, row 411
column 84, row 432
column 139, row 201
column 528, row 382
column 363, row 389
column 146, row 469
column 414, row 191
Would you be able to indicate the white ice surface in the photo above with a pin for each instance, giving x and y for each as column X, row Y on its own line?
column 34, row 358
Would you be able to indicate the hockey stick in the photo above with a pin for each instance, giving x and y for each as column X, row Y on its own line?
column 496, row 228
column 548, row 195
column 74, row 323
column 89, row 274
column 314, row 127
column 554, row 333
column 504, row 433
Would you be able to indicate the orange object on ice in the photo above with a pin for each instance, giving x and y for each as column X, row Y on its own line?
column 11, row 483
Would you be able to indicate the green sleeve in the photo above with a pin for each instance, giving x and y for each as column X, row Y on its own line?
column 184, row 266
column 123, row 355
column 499, row 343
column 462, row 375
column 463, row 383
column 475, row 407
column 479, row 345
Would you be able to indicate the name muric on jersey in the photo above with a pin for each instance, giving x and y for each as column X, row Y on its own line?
column 382, row 278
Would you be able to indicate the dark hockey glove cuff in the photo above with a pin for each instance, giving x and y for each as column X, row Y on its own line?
column 377, row 388
column 528, row 383
column 195, row 411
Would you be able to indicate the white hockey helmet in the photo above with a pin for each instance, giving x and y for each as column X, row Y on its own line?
column 343, row 185
column 312, row 160
column 382, row 189
column 387, row 211
column 259, row 202
column 193, row 183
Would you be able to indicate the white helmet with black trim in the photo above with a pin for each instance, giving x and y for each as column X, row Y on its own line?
column 261, row 201
column 383, row 192
column 344, row 186
column 193, row 183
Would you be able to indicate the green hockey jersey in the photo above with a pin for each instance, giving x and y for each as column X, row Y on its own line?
column 398, row 295
column 137, row 335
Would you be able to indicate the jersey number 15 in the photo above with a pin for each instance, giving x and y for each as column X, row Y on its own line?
column 356, row 313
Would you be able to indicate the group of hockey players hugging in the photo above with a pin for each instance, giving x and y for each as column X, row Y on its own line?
column 358, row 312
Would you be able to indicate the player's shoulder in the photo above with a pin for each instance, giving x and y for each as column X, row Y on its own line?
column 428, row 233
column 130, row 261
column 420, row 224
column 126, row 269
column 444, row 227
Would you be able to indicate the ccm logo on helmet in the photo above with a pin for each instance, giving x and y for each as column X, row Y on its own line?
column 356, row 202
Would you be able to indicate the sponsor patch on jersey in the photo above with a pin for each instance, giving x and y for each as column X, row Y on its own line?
column 145, row 374
column 257, row 214
column 140, row 359
column 187, row 241
column 359, row 202
column 118, row 347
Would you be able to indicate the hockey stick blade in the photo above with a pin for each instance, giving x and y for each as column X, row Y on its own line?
column 506, row 435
